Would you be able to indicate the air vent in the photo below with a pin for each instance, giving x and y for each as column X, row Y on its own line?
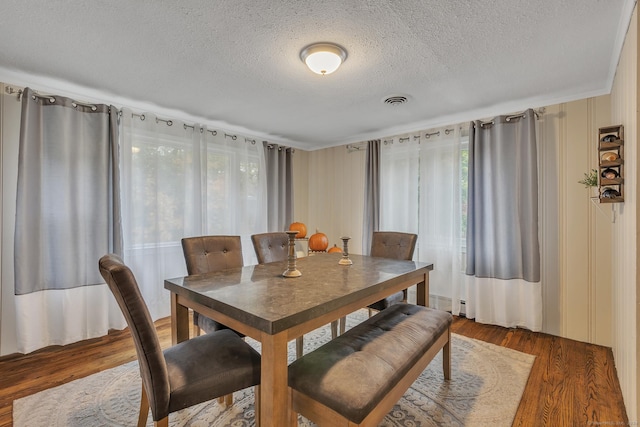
column 396, row 100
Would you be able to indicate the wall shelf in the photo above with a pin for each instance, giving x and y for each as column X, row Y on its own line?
column 611, row 164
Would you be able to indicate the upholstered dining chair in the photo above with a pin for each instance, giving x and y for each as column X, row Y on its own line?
column 205, row 254
column 394, row 245
column 271, row 247
column 274, row 247
column 191, row 372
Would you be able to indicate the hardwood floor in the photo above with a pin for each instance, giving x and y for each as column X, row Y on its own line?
column 571, row 383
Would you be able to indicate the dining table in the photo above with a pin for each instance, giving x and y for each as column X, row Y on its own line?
column 257, row 301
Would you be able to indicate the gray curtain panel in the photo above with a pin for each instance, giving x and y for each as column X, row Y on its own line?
column 502, row 224
column 279, row 165
column 371, row 220
column 68, row 205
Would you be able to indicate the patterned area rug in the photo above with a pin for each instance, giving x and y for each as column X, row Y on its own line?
column 485, row 390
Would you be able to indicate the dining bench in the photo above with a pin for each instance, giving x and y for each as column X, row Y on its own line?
column 357, row 378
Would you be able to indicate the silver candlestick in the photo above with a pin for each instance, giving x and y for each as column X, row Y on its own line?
column 291, row 270
column 345, row 252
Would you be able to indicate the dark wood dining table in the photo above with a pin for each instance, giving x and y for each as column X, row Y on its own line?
column 259, row 302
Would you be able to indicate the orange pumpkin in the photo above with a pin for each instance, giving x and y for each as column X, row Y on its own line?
column 335, row 249
column 318, row 242
column 300, row 228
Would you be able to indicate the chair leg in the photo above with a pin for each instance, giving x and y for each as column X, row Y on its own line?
column 144, row 409
column 334, row 329
column 256, row 392
column 226, row 400
column 343, row 324
column 370, row 312
column 162, row 423
column 299, row 346
column 446, row 358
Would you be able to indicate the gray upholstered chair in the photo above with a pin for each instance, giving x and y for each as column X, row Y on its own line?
column 204, row 254
column 394, row 245
column 274, row 247
column 194, row 371
column 271, row 247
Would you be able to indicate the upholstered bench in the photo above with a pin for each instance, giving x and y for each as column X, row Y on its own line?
column 357, row 378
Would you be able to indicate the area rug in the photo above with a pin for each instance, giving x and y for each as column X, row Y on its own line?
column 485, row 390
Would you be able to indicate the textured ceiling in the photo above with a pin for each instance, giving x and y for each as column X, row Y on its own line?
column 235, row 63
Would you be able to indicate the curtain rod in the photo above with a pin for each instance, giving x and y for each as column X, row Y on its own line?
column 280, row 147
column 12, row 90
column 510, row 117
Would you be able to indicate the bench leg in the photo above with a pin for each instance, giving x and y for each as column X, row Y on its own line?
column 299, row 346
column 446, row 357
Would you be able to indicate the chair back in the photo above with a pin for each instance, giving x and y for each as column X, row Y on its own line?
column 153, row 367
column 205, row 254
column 271, row 247
column 394, row 245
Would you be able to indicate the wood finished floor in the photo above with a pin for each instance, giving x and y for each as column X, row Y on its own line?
column 571, row 383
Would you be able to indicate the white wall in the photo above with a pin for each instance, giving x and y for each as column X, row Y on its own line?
column 624, row 111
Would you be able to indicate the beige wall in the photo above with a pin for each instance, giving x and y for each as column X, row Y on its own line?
column 334, row 198
column 584, row 226
column 624, row 96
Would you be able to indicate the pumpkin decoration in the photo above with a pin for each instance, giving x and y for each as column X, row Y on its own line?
column 300, row 228
column 335, row 249
column 318, row 242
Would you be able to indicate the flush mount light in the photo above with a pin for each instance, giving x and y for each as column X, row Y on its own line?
column 323, row 58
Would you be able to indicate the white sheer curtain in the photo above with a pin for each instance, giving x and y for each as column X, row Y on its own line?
column 236, row 189
column 442, row 213
column 399, row 184
column 421, row 181
column 182, row 180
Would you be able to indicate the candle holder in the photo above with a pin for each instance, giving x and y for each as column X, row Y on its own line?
column 345, row 252
column 291, row 270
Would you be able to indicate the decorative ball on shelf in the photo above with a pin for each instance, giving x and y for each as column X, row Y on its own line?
column 334, row 249
column 610, row 193
column 609, row 156
column 609, row 173
column 318, row 242
column 300, row 228
column 609, row 138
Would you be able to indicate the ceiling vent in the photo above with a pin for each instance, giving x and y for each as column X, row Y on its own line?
column 396, row 100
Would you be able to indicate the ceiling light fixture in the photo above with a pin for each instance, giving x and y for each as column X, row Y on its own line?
column 323, row 58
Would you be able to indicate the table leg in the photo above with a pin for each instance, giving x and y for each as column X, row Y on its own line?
column 274, row 398
column 422, row 292
column 179, row 321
